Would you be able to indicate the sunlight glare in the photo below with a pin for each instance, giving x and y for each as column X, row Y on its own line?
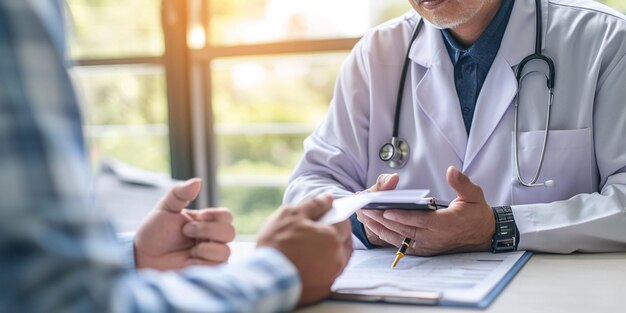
column 247, row 75
column 196, row 38
column 318, row 18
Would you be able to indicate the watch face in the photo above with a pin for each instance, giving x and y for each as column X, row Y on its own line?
column 503, row 245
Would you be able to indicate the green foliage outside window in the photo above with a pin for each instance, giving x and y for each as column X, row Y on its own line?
column 125, row 113
column 254, row 100
column 113, row 28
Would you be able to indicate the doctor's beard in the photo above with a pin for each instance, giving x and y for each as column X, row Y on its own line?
column 442, row 21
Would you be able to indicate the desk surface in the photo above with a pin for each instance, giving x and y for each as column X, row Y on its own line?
column 547, row 283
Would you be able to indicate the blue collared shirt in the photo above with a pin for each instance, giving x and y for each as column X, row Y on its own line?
column 55, row 254
column 471, row 64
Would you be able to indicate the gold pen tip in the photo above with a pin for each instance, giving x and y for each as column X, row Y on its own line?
column 399, row 256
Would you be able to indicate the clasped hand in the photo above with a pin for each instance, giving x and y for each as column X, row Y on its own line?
column 466, row 225
column 173, row 237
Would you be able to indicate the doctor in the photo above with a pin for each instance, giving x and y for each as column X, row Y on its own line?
column 472, row 109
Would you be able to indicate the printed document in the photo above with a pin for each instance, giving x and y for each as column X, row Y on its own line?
column 460, row 278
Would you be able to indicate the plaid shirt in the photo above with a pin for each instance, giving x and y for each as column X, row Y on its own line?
column 55, row 254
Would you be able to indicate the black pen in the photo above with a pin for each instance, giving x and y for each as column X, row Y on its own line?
column 401, row 251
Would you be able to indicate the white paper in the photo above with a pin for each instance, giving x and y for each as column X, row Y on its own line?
column 466, row 277
column 343, row 208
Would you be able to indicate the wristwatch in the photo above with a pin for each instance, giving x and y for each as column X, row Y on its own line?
column 505, row 238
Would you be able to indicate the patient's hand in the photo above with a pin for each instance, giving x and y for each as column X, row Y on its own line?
column 173, row 237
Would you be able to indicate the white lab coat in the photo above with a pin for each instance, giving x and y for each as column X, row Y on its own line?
column 586, row 153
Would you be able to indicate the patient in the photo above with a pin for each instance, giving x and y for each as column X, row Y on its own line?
column 57, row 256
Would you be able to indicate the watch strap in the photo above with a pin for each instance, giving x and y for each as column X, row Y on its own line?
column 505, row 238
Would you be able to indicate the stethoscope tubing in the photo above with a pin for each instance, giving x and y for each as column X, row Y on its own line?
column 405, row 68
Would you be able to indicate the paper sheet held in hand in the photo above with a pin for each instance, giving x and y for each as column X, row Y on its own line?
column 343, row 208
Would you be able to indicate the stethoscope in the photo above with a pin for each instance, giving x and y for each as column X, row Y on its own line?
column 396, row 152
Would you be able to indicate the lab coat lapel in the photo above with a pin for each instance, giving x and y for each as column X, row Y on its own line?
column 500, row 86
column 435, row 93
column 496, row 96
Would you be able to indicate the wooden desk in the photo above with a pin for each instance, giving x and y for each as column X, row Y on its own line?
column 548, row 283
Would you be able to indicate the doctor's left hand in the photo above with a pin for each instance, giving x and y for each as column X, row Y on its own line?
column 173, row 237
column 466, row 225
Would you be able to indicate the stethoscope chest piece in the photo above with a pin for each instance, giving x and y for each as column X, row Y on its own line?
column 395, row 153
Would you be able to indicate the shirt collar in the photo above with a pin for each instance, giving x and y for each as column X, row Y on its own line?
column 484, row 50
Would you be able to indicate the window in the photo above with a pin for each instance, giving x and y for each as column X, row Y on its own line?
column 222, row 89
column 125, row 114
column 264, row 107
column 116, row 46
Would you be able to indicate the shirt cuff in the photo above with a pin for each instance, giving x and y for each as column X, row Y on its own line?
column 526, row 227
column 359, row 232
column 127, row 242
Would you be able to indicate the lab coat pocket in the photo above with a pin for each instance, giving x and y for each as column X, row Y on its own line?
column 567, row 162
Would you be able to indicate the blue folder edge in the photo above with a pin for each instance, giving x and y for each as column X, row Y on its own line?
column 486, row 301
column 493, row 294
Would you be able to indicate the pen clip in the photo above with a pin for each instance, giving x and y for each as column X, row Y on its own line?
column 434, row 205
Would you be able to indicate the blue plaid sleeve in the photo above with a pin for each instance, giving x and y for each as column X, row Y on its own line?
column 56, row 255
column 265, row 282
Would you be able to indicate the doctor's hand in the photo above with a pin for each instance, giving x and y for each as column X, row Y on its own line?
column 383, row 182
column 172, row 237
column 466, row 225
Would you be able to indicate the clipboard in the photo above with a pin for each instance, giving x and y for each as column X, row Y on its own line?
column 396, row 297
column 427, row 204
column 385, row 293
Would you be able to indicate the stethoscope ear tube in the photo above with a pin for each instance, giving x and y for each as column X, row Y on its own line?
column 535, row 56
